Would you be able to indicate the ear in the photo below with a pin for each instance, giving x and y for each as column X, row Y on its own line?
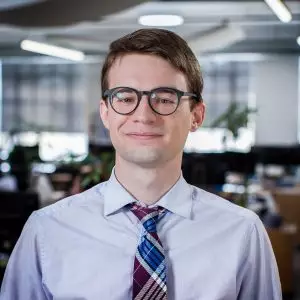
column 103, row 109
column 198, row 114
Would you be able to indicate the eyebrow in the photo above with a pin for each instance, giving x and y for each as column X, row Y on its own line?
column 156, row 87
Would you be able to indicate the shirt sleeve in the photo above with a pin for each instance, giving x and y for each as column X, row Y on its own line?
column 22, row 278
column 258, row 277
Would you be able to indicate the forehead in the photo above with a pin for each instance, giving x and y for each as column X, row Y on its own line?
column 145, row 71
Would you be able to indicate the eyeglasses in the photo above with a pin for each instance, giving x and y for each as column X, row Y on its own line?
column 163, row 100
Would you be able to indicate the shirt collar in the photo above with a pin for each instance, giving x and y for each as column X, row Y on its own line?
column 115, row 195
column 178, row 199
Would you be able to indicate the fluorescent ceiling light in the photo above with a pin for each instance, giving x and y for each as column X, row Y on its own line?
column 161, row 20
column 280, row 10
column 298, row 40
column 51, row 50
column 217, row 38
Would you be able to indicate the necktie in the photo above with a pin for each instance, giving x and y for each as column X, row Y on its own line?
column 149, row 275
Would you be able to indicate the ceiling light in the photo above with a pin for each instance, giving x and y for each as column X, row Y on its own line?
column 298, row 40
column 161, row 20
column 280, row 10
column 217, row 38
column 51, row 50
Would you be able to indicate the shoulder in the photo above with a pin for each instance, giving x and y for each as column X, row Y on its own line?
column 91, row 198
column 220, row 208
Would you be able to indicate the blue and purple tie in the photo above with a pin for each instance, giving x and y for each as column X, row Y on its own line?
column 149, row 276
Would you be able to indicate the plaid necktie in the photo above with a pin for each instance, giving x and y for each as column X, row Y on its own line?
column 149, row 276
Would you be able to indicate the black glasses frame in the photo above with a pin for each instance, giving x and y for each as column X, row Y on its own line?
column 110, row 92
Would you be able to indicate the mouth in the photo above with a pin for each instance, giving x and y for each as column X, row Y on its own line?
column 144, row 135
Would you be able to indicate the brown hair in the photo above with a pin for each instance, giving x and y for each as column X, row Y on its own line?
column 160, row 42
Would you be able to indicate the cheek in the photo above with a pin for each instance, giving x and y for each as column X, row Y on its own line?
column 112, row 127
column 115, row 123
column 113, row 133
column 180, row 129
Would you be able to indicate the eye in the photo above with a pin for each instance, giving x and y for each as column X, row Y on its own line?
column 125, row 100
column 124, row 97
column 166, row 101
column 164, row 97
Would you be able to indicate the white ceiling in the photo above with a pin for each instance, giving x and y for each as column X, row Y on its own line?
column 263, row 31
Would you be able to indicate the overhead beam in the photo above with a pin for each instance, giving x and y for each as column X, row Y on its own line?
column 63, row 12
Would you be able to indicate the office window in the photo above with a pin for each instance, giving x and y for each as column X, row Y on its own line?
column 224, row 82
column 42, row 96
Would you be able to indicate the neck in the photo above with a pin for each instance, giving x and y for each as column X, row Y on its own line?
column 147, row 185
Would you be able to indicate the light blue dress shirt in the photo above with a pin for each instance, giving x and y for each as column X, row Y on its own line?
column 83, row 248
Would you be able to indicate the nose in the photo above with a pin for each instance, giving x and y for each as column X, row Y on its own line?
column 144, row 112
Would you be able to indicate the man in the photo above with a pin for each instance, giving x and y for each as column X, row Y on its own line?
column 145, row 233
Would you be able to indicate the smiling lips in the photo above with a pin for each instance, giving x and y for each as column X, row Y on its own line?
column 144, row 135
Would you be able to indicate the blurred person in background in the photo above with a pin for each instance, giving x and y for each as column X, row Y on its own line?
column 145, row 233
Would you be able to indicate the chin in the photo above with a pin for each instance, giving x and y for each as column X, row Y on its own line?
column 144, row 157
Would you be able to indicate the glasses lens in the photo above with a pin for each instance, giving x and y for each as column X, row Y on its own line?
column 124, row 100
column 164, row 101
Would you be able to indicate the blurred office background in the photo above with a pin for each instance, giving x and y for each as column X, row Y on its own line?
column 53, row 144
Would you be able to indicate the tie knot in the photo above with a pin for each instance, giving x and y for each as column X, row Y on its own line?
column 148, row 216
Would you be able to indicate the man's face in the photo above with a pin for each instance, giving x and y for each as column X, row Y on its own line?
column 144, row 137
